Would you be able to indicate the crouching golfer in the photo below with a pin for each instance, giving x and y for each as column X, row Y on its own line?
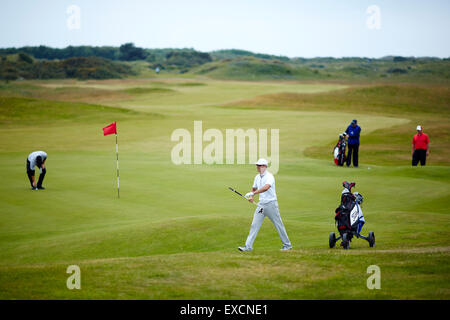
column 36, row 158
column 264, row 185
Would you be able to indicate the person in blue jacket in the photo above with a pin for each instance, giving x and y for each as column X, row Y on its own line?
column 353, row 131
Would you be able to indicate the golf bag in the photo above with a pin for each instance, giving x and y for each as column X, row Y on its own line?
column 349, row 218
column 339, row 150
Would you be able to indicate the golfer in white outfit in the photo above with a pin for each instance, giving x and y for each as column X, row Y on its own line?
column 264, row 185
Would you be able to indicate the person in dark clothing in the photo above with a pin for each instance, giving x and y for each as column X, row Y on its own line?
column 353, row 131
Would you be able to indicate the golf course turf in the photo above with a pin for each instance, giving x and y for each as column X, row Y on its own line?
column 174, row 232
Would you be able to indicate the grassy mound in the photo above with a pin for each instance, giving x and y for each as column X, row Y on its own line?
column 15, row 111
column 253, row 69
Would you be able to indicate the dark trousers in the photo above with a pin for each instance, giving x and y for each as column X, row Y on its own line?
column 41, row 178
column 352, row 149
column 419, row 155
column 30, row 174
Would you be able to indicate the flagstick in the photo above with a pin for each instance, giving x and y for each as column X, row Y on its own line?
column 117, row 154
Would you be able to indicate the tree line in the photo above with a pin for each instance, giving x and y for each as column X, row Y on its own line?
column 25, row 67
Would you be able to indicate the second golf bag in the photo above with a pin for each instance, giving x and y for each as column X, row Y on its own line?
column 339, row 150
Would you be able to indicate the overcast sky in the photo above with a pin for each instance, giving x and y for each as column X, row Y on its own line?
column 294, row 28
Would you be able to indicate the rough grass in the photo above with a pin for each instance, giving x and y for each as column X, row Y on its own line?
column 253, row 69
column 62, row 93
column 385, row 99
column 301, row 274
column 43, row 112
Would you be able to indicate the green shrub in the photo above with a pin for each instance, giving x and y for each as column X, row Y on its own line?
column 25, row 58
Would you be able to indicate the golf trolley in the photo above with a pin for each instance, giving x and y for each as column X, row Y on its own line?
column 349, row 218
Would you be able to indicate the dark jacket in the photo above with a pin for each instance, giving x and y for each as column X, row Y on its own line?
column 353, row 134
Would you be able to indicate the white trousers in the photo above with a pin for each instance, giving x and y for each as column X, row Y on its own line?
column 271, row 211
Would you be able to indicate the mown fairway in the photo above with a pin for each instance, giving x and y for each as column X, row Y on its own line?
column 174, row 232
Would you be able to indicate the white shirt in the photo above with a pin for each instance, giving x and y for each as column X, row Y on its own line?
column 261, row 181
column 32, row 158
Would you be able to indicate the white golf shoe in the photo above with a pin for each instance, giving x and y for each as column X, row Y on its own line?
column 286, row 248
column 244, row 249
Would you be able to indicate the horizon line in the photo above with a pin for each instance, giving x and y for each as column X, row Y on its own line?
column 215, row 50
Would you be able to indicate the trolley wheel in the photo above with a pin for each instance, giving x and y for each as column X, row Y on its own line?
column 371, row 239
column 332, row 240
column 345, row 241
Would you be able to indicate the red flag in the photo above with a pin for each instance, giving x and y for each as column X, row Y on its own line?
column 111, row 129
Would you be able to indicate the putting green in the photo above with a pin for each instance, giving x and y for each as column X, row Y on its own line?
column 173, row 233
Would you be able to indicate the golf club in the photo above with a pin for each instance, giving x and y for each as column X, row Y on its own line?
column 241, row 195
